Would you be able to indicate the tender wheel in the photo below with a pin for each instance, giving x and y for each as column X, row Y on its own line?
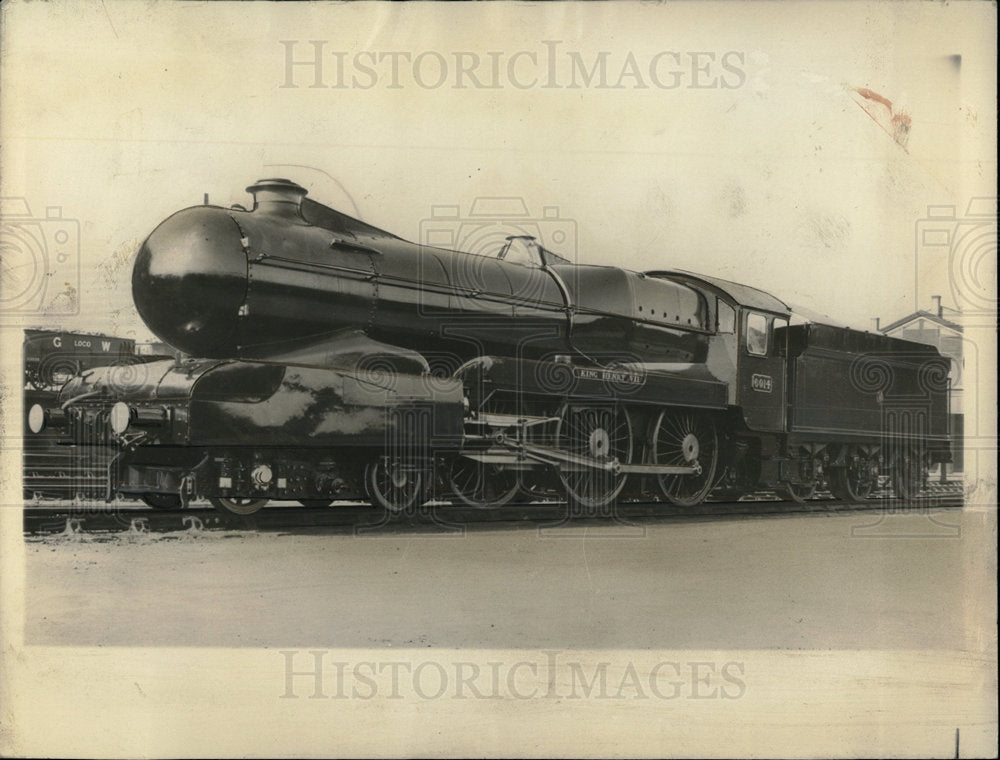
column 806, row 489
column 685, row 438
column 481, row 485
column 595, row 432
column 908, row 474
column 237, row 505
column 162, row 500
column 800, row 492
column 857, row 480
column 391, row 485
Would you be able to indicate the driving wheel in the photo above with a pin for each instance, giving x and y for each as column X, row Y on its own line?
column 602, row 433
column 686, row 438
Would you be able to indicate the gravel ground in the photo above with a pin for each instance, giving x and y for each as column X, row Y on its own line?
column 822, row 581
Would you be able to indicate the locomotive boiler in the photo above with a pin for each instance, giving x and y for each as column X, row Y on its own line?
column 333, row 360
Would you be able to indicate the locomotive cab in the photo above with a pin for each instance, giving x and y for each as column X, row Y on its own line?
column 761, row 386
column 815, row 404
column 749, row 347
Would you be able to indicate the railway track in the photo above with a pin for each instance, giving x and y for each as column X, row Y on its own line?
column 70, row 520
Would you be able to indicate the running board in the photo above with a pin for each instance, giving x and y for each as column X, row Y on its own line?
column 518, row 452
column 509, row 420
column 659, row 469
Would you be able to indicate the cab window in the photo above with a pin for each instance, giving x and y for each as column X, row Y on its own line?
column 757, row 334
column 726, row 319
column 780, row 330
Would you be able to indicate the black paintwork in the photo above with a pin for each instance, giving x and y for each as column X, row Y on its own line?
column 229, row 283
column 326, row 341
column 848, row 382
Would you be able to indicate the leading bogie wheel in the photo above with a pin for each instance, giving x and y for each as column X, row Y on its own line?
column 602, row 433
column 237, row 505
column 686, row 438
column 162, row 500
column 393, row 485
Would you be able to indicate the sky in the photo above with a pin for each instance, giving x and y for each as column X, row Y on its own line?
column 726, row 139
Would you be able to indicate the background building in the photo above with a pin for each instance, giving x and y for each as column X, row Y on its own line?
column 933, row 328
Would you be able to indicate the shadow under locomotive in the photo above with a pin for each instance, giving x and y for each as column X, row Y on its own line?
column 340, row 362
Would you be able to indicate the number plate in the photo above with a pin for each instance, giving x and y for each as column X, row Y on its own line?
column 761, row 383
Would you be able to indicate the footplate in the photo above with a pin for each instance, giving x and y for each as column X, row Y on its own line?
column 513, row 452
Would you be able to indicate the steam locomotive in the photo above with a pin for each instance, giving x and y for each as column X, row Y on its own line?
column 334, row 360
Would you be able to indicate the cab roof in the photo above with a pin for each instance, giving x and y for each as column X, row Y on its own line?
column 744, row 295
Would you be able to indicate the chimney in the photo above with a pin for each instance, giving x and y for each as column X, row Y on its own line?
column 280, row 197
column 876, row 323
column 940, row 309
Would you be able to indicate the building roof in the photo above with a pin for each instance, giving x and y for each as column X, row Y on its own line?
column 921, row 314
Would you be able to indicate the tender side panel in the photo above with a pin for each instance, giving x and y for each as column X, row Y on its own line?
column 847, row 382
